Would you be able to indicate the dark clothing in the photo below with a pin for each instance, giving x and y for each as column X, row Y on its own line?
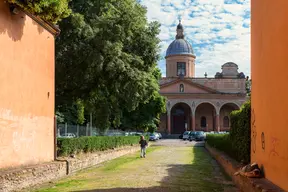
column 143, row 143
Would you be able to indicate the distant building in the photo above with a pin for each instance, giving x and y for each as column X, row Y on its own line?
column 198, row 103
column 27, row 88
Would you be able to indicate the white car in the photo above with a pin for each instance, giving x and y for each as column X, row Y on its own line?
column 186, row 135
column 68, row 135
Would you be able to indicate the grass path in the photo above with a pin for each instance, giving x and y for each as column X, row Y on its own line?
column 164, row 169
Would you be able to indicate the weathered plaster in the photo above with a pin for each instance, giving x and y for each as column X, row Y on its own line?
column 27, row 90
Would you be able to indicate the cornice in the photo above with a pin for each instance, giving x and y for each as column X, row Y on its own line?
column 50, row 27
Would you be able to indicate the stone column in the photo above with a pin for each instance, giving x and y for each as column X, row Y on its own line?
column 193, row 122
column 168, row 123
column 218, row 122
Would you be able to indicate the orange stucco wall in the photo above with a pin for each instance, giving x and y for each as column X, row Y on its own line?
column 27, row 90
column 269, row 122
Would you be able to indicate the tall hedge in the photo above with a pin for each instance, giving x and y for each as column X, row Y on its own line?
column 67, row 146
column 240, row 132
column 221, row 142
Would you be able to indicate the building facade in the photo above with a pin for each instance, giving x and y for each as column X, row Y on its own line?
column 198, row 103
column 27, row 88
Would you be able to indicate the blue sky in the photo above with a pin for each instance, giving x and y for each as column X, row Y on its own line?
column 219, row 31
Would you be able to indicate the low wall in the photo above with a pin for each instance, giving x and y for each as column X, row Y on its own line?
column 25, row 177
column 245, row 184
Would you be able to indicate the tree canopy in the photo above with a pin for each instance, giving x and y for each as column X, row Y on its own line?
column 49, row 10
column 106, row 56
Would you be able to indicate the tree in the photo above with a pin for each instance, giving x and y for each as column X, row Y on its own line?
column 106, row 56
column 147, row 115
column 49, row 10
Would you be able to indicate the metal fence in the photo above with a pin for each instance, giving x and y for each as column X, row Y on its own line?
column 80, row 130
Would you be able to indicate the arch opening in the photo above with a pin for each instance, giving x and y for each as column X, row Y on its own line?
column 225, row 111
column 205, row 117
column 203, row 122
column 180, row 118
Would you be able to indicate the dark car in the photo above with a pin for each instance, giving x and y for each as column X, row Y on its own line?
column 191, row 136
column 197, row 136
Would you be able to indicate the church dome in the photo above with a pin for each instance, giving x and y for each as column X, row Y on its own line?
column 180, row 47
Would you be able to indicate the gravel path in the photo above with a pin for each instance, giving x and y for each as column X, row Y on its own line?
column 172, row 165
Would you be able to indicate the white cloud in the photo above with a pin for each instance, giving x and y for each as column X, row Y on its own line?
column 219, row 32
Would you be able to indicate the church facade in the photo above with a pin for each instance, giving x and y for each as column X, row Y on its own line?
column 197, row 103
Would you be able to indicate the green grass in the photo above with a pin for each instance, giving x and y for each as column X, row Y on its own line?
column 117, row 163
column 112, row 166
column 198, row 175
column 178, row 169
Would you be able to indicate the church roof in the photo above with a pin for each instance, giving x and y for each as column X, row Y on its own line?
column 179, row 47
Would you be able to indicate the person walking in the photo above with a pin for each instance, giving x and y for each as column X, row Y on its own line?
column 143, row 144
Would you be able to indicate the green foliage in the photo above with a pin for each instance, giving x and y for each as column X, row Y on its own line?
column 49, row 10
column 71, row 114
column 106, row 56
column 240, row 133
column 60, row 117
column 221, row 142
column 147, row 115
column 67, row 146
column 237, row 143
column 248, row 86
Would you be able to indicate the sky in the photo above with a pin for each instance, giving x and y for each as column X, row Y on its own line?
column 219, row 31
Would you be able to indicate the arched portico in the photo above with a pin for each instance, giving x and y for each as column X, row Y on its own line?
column 212, row 107
column 224, row 114
column 180, row 118
column 205, row 117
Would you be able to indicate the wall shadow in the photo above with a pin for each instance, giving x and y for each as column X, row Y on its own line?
column 12, row 24
column 39, row 27
column 199, row 176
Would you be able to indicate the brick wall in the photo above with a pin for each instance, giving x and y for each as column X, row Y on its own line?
column 25, row 177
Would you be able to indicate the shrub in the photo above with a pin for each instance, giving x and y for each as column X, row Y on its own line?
column 237, row 143
column 240, row 133
column 221, row 142
column 67, row 146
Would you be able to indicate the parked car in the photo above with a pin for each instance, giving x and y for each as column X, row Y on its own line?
column 153, row 137
column 186, row 135
column 192, row 136
column 68, row 135
column 159, row 135
column 198, row 136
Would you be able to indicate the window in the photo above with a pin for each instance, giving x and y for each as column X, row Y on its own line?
column 181, row 68
column 203, row 122
column 226, row 121
column 181, row 88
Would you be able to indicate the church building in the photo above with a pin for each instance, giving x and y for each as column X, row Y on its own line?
column 197, row 103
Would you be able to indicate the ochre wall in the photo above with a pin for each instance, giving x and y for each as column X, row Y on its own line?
column 171, row 65
column 27, row 90
column 269, row 122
